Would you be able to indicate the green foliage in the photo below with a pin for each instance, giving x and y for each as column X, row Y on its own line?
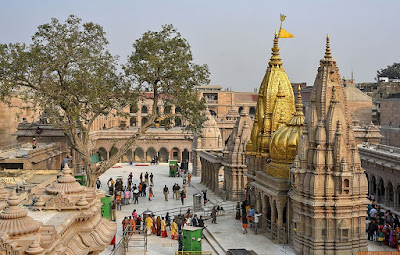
column 69, row 74
column 392, row 71
column 66, row 72
column 162, row 64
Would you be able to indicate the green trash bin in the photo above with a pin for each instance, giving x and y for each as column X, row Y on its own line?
column 192, row 237
column 106, row 209
column 173, row 167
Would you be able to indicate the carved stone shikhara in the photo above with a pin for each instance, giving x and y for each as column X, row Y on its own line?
column 329, row 187
column 79, row 227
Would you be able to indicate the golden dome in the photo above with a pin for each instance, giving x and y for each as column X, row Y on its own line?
column 284, row 142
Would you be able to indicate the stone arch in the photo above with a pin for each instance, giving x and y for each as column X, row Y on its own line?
column 175, row 154
column 127, row 157
column 177, row 110
column 185, row 155
column 240, row 109
column 390, row 195
column 381, row 191
column 132, row 122
column 144, row 120
column 139, row 155
column 373, row 186
column 113, row 151
column 144, row 109
column 150, row 153
column 102, row 153
column 252, row 112
column 163, row 155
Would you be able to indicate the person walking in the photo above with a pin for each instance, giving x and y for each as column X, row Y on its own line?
column 256, row 220
column 144, row 186
column 114, row 211
column 183, row 195
column 174, row 230
column 151, row 179
column 214, row 215
column 141, row 177
column 201, row 222
column 158, row 226
column 146, row 178
column 189, row 179
column 127, row 197
column 98, row 183
column 174, row 191
column 136, row 196
column 118, row 201
column 134, row 214
column 163, row 228
column 184, row 188
column 166, row 192
column 149, row 222
column 110, row 185
column 205, row 196
column 150, row 193
column 177, row 188
column 195, row 221
column 244, row 224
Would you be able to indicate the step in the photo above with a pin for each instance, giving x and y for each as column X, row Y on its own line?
column 215, row 245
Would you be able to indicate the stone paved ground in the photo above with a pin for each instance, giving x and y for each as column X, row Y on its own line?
column 227, row 232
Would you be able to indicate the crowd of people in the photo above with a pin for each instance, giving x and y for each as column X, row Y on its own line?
column 247, row 215
column 383, row 227
column 124, row 194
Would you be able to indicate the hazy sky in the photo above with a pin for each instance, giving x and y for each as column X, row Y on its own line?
column 235, row 37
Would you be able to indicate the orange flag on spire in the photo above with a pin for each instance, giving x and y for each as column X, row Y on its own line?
column 284, row 34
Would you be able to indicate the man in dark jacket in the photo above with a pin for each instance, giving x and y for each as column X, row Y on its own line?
column 371, row 229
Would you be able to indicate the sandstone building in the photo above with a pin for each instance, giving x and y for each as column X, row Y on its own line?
column 329, row 187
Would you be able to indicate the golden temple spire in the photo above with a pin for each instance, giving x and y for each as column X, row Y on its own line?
column 328, row 48
column 299, row 103
column 275, row 58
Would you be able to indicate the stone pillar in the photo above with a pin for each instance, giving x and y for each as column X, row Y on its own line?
column 273, row 213
column 280, row 206
column 234, row 185
column 258, row 203
column 386, row 202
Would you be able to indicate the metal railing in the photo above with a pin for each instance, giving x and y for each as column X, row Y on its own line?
column 131, row 237
column 275, row 232
column 193, row 253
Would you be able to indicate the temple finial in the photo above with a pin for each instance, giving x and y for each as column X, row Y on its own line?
column 328, row 54
column 275, row 58
column 299, row 103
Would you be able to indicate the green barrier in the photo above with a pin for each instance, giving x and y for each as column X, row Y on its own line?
column 106, row 209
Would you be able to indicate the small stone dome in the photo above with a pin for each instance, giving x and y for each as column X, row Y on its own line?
column 66, row 183
column 210, row 134
column 284, row 143
column 14, row 221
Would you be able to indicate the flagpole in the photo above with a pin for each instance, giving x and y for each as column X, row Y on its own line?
column 282, row 19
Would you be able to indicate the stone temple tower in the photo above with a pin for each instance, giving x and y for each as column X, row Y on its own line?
column 328, row 186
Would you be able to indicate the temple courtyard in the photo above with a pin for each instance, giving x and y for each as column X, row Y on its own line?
column 218, row 238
